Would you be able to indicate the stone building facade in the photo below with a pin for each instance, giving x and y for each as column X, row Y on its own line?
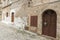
column 31, row 8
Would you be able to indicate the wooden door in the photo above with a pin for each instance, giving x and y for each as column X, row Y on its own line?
column 7, row 14
column 12, row 17
column 49, row 19
column 33, row 21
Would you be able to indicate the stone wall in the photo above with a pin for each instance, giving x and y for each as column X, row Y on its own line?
column 35, row 2
column 38, row 10
column 4, row 11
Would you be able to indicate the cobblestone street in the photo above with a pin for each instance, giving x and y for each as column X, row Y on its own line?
column 8, row 33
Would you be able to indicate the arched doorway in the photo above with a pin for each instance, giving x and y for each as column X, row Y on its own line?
column 49, row 23
column 12, row 17
column 7, row 14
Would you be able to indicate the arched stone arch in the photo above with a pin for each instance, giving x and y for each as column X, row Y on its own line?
column 49, row 23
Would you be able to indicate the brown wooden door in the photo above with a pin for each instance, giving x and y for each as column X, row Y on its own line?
column 49, row 23
column 12, row 17
column 33, row 21
column 7, row 14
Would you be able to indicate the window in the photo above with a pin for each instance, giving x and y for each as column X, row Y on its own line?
column 34, row 21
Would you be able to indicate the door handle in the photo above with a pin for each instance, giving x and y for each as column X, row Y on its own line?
column 45, row 23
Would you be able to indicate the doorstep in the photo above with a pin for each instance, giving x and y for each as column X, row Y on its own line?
column 52, row 38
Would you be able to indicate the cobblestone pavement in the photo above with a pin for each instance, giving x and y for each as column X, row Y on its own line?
column 7, row 33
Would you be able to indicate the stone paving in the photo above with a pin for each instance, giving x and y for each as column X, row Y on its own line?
column 8, row 33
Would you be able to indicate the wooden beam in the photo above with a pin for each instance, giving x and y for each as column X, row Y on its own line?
column 6, row 6
column 10, row 4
